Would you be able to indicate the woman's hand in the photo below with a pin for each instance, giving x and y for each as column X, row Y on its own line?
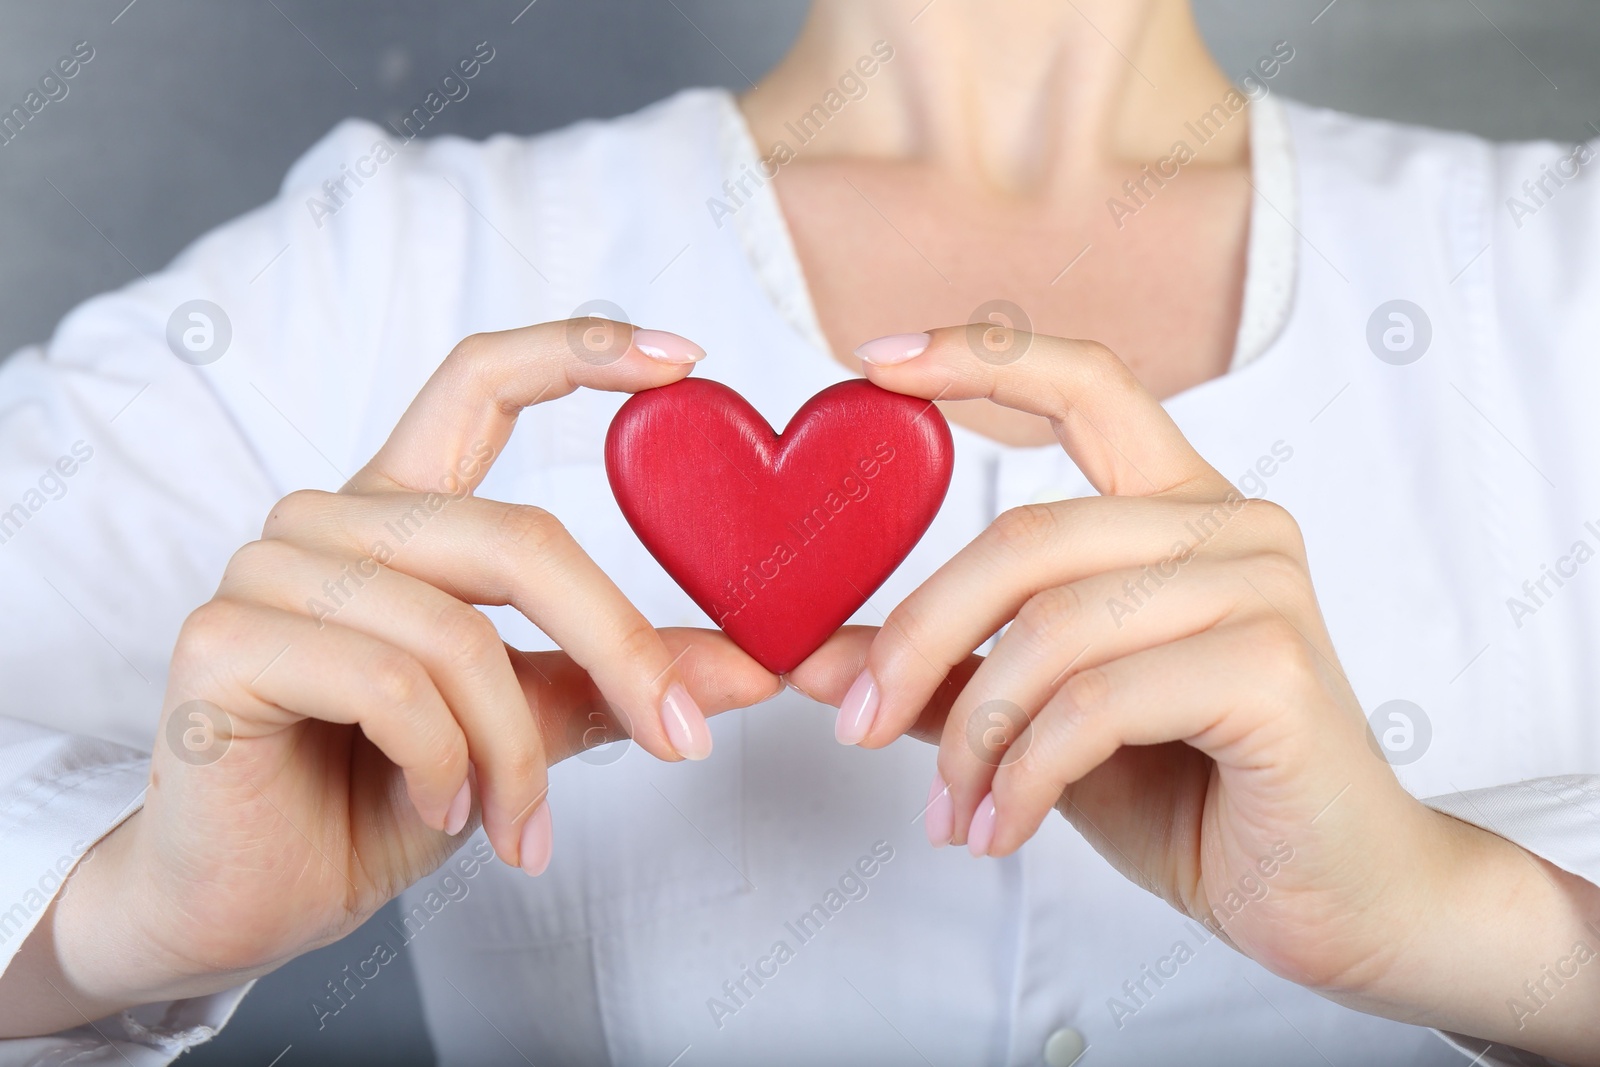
column 1167, row 683
column 324, row 710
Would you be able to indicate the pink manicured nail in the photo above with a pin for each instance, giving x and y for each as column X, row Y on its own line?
column 536, row 840
column 664, row 347
column 896, row 348
column 857, row 710
column 980, row 835
column 685, row 723
column 940, row 818
column 460, row 808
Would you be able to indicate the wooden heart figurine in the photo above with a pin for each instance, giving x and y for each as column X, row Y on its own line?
column 779, row 538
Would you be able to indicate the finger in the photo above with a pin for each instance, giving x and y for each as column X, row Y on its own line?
column 1058, row 632
column 486, row 552
column 719, row 674
column 830, row 672
column 1115, row 431
column 574, row 715
column 1030, row 549
column 271, row 668
column 458, row 423
column 454, row 641
column 1235, row 693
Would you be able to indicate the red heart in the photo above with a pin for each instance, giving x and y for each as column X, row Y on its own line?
column 778, row 538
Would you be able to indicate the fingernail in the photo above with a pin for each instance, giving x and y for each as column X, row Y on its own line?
column 940, row 818
column 460, row 808
column 685, row 723
column 664, row 347
column 981, row 833
column 536, row 839
column 896, row 348
column 857, row 710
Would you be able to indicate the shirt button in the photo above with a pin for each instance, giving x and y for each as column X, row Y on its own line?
column 1063, row 1047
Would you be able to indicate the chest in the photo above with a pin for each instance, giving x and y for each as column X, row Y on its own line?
column 1157, row 276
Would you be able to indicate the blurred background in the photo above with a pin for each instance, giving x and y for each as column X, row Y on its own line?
column 191, row 111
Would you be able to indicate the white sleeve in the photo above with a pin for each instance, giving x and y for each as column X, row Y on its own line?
column 1556, row 819
column 126, row 1041
column 129, row 476
column 97, row 570
column 59, row 794
column 1543, row 281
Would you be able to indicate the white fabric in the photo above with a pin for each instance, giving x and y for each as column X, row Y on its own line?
column 1428, row 494
column 1274, row 245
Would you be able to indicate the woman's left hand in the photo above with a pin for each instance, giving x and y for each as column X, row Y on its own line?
column 1167, row 683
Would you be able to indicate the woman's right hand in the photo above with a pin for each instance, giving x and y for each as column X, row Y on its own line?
column 340, row 713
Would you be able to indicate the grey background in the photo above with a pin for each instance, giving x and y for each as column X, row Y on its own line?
column 192, row 110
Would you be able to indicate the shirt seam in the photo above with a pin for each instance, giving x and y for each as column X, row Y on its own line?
column 16, row 808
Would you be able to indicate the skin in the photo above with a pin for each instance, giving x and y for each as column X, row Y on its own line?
column 956, row 181
column 1211, row 730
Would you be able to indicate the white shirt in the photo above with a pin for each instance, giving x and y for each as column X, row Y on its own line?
column 1428, row 493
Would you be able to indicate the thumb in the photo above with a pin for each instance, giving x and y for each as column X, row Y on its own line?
column 449, row 436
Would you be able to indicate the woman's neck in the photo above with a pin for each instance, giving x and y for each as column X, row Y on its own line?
column 1017, row 95
column 998, row 136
